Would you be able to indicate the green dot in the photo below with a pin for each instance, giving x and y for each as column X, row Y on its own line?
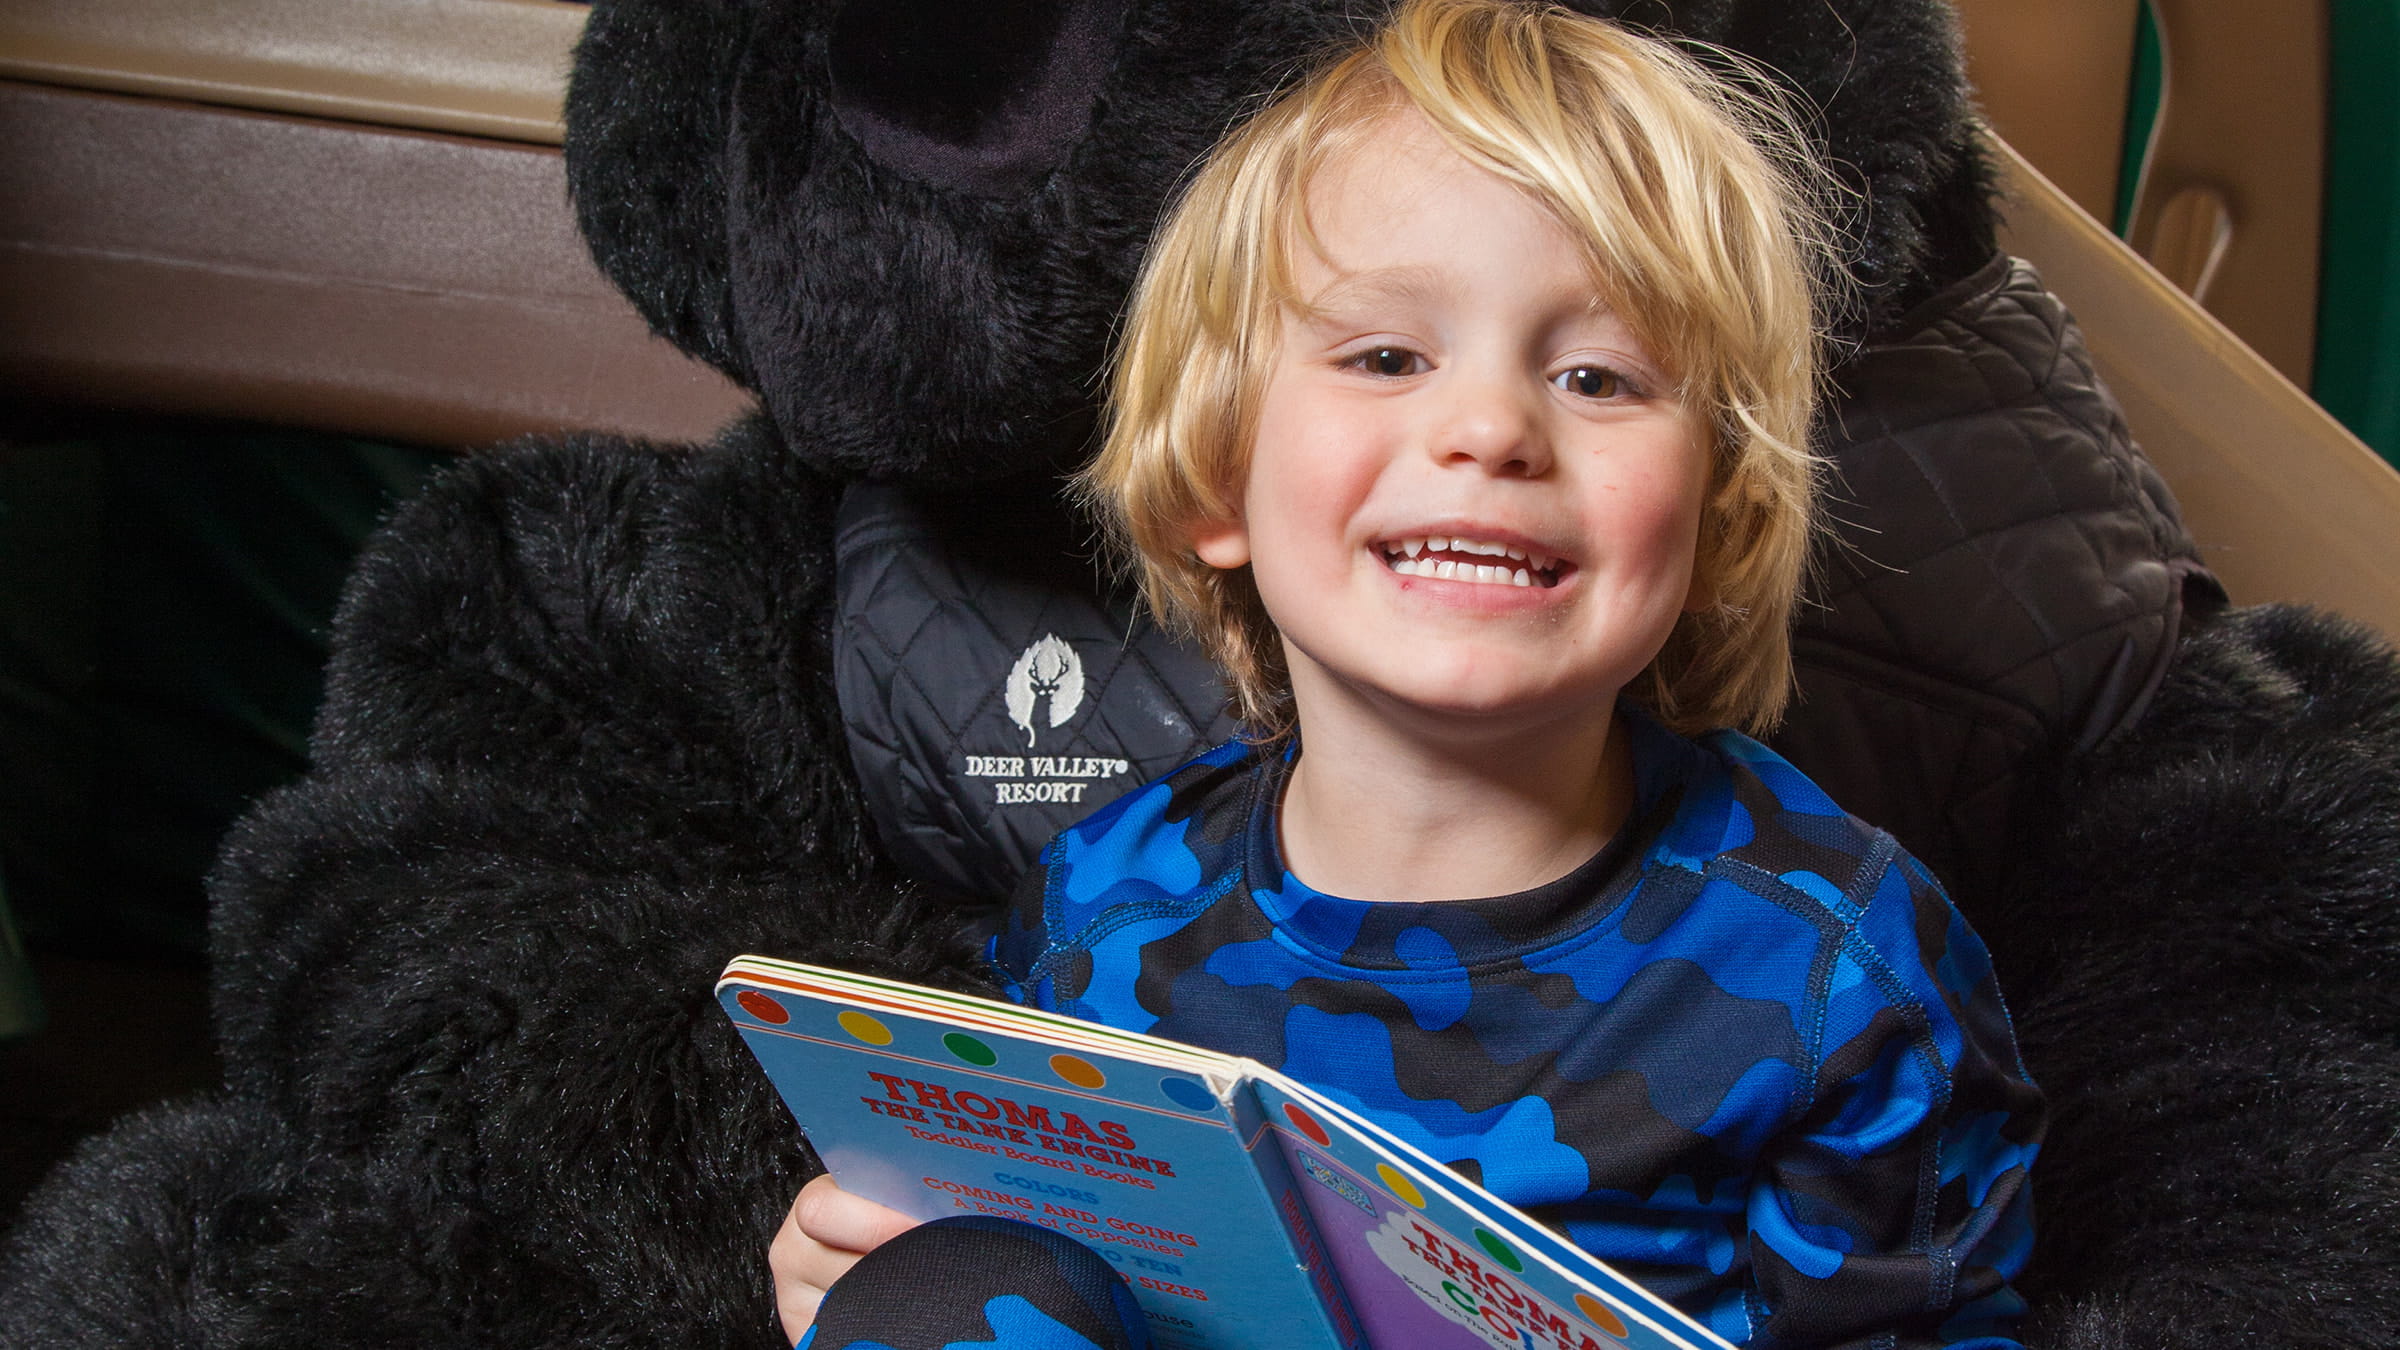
column 1500, row 1251
column 969, row 1049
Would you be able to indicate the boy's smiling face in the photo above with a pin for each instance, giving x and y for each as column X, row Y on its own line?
column 1458, row 409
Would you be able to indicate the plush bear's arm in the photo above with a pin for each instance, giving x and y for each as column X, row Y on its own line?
column 2200, row 955
column 579, row 748
column 589, row 606
column 488, row 1003
column 618, row 649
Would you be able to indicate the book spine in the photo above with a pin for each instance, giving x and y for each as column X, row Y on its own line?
column 1308, row 1249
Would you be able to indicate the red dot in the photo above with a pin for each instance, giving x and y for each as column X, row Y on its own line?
column 1307, row 1124
column 765, row 1009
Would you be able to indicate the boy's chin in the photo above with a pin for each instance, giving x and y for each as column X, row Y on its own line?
column 1479, row 705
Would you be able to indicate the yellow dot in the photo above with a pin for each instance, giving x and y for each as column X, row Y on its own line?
column 1077, row 1071
column 865, row 1028
column 1400, row 1186
column 1603, row 1316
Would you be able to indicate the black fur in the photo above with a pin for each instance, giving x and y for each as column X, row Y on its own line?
column 1879, row 86
column 906, row 321
column 153, row 1234
column 893, row 325
column 2201, row 959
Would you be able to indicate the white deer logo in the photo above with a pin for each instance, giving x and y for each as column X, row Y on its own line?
column 1049, row 668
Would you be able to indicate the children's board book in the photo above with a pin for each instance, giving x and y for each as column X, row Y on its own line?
column 1247, row 1211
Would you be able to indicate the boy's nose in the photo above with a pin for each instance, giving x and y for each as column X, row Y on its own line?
column 1486, row 424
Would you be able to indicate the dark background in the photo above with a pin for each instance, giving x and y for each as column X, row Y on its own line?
column 165, row 590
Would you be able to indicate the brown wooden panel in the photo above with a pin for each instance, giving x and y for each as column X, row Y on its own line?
column 479, row 67
column 2232, row 203
column 2229, row 207
column 2286, row 504
column 165, row 256
column 2052, row 76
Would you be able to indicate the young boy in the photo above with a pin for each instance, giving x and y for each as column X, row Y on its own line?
column 1461, row 412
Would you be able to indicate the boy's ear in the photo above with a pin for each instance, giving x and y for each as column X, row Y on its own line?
column 1702, row 595
column 1703, row 592
column 1222, row 544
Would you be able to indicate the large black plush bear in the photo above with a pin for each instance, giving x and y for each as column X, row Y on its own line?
column 604, row 714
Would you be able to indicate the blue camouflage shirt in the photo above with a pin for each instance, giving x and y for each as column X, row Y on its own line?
column 1748, row 1054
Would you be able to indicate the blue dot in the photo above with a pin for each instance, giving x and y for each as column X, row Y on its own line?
column 1187, row 1094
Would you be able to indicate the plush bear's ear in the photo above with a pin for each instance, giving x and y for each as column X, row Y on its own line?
column 910, row 227
column 647, row 114
column 1882, row 89
column 1884, row 85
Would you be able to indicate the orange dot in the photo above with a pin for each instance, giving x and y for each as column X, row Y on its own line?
column 1603, row 1316
column 765, row 1009
column 1077, row 1071
column 1306, row 1124
column 864, row 1027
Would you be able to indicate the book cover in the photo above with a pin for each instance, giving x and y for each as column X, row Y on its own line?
column 936, row 1104
column 1245, row 1209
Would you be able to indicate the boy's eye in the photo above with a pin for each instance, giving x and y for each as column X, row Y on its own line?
column 1388, row 361
column 1590, row 382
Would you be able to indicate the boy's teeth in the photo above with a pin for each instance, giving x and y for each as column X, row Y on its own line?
column 1450, row 569
column 1415, row 558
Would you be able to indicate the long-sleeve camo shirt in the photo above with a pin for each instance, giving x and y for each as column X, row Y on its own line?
column 1748, row 1053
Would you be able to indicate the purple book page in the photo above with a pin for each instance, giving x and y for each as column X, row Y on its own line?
column 1431, row 1261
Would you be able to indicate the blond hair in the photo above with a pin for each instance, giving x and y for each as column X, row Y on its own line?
column 1700, row 209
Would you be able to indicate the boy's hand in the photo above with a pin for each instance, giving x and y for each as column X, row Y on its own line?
column 825, row 1233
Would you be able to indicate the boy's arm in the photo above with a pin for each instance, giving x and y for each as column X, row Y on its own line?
column 1899, row 1204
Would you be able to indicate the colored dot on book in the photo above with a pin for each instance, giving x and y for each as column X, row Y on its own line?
column 969, row 1049
column 1603, row 1316
column 1501, row 1251
column 1306, row 1124
column 864, row 1027
column 763, row 1008
column 1187, row 1094
column 1078, row 1071
column 1400, row 1186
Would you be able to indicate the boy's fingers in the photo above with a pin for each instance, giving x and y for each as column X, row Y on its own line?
column 822, row 1265
column 838, row 1219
